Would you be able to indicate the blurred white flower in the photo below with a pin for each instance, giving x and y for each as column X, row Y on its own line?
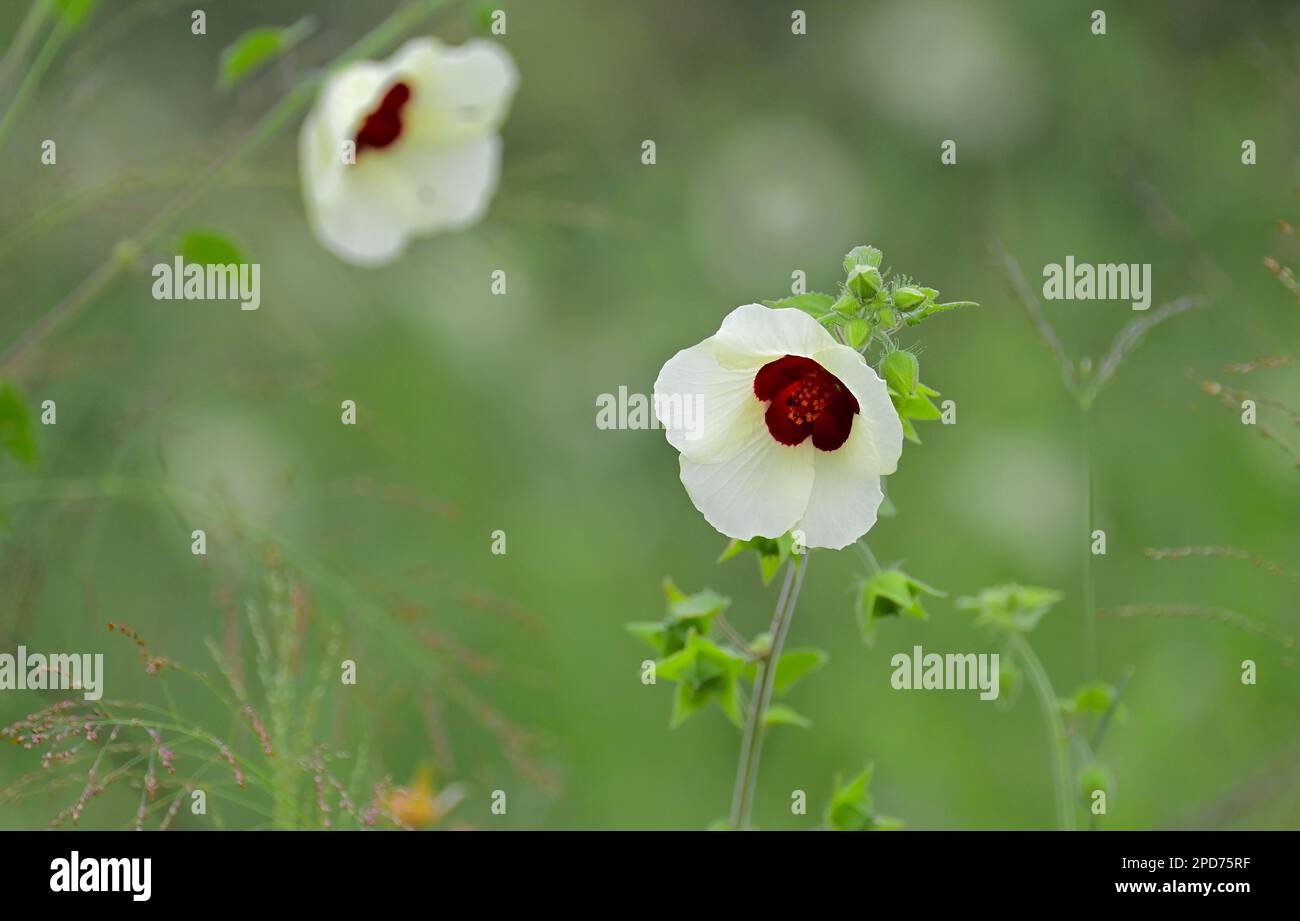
column 795, row 429
column 405, row 147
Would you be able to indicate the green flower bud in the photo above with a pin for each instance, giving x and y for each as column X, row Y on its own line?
column 847, row 304
column 1095, row 777
column 861, row 255
column 865, row 281
column 908, row 297
column 901, row 371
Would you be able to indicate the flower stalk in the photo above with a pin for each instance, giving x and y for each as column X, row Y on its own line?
column 751, row 748
column 1055, row 730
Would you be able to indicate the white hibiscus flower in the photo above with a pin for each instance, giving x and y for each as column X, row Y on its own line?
column 792, row 429
column 424, row 153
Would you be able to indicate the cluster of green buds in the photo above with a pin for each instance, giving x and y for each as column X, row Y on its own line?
column 872, row 304
column 871, row 307
column 884, row 303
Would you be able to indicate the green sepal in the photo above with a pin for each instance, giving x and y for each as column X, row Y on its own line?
column 859, row 332
column 772, row 552
column 1011, row 608
column 889, row 593
column 686, row 613
column 704, row 671
column 851, row 806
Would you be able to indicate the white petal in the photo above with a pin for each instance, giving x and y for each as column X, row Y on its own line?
column 369, row 216
column 708, row 412
column 753, row 335
column 845, row 494
column 348, row 96
column 876, row 413
column 761, row 491
column 446, row 187
column 356, row 226
column 457, row 92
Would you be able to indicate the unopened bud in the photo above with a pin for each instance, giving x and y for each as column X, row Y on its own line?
column 908, row 297
column 865, row 281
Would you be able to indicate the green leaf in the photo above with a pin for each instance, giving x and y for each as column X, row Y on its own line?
column 932, row 309
column 16, row 436
column 817, row 305
column 781, row 715
column 794, row 665
column 208, row 247
column 889, row 593
column 256, row 48
column 1014, row 608
column 918, row 407
column 861, row 255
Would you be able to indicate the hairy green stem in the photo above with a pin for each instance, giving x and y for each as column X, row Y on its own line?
column 270, row 124
column 751, row 748
column 1055, row 730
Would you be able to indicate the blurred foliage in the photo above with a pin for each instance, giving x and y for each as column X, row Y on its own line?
column 475, row 412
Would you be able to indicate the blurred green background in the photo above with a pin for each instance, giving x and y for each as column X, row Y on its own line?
column 775, row 153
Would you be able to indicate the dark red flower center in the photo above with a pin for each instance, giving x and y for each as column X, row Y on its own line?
column 384, row 125
column 806, row 399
